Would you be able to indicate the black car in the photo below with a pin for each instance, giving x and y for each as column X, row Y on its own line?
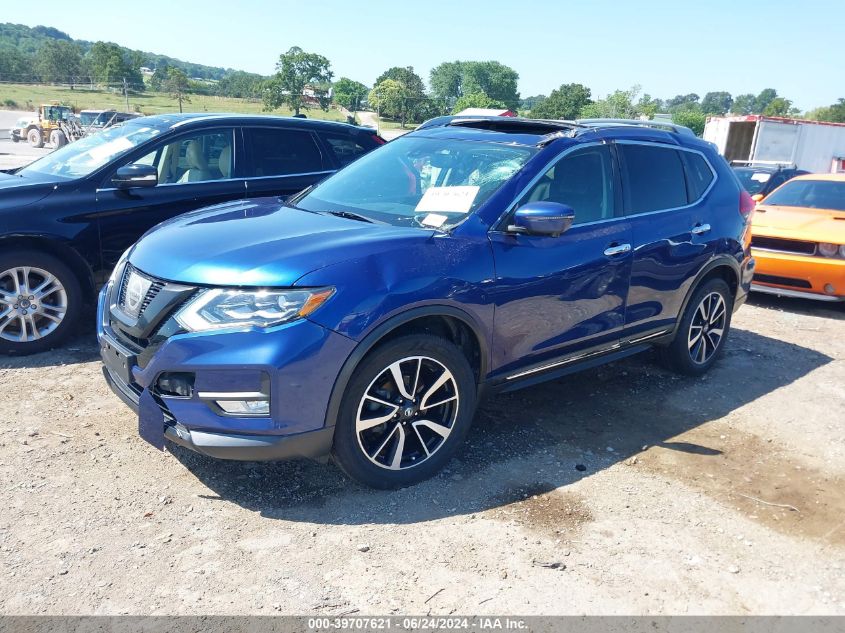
column 762, row 179
column 66, row 218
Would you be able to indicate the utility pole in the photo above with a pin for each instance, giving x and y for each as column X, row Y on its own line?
column 126, row 94
column 378, row 113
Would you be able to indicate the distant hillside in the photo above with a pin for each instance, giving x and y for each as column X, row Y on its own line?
column 27, row 40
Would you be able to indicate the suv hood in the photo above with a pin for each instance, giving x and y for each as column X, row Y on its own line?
column 259, row 243
column 817, row 225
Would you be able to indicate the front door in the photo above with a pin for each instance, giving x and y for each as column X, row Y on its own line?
column 194, row 170
column 557, row 295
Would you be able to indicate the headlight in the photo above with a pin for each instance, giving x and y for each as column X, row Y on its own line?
column 828, row 250
column 218, row 308
column 119, row 264
column 842, row 251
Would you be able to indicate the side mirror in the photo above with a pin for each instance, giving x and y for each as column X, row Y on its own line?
column 542, row 218
column 135, row 175
column 757, row 197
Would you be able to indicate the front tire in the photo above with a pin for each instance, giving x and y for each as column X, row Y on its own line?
column 34, row 137
column 58, row 139
column 40, row 302
column 703, row 330
column 405, row 411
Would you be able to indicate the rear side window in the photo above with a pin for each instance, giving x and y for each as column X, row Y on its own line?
column 345, row 147
column 653, row 178
column 282, row 152
column 699, row 174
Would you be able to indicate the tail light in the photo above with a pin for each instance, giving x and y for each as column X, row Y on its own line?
column 746, row 204
column 378, row 140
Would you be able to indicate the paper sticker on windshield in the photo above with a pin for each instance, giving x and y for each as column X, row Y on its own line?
column 434, row 220
column 447, row 199
column 761, row 177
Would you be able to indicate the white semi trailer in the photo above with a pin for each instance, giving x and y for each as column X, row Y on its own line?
column 810, row 145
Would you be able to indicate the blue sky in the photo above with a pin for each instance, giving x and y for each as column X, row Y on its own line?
column 668, row 48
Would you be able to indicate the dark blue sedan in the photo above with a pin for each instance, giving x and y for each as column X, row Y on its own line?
column 66, row 218
column 365, row 317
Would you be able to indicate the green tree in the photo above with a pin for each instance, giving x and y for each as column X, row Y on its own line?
column 476, row 100
column 744, row 104
column 176, row 85
column 452, row 80
column 349, row 93
column 240, row 84
column 159, row 77
column 529, row 103
column 834, row 113
column 566, row 102
column 716, row 103
column 15, row 65
column 693, row 118
column 617, row 105
column 779, row 107
column 405, row 99
column 763, row 100
column 295, row 71
column 110, row 65
column 648, row 107
column 679, row 102
column 59, row 61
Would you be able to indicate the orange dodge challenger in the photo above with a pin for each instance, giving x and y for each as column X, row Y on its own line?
column 798, row 239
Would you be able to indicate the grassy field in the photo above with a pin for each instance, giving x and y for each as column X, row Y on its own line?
column 29, row 97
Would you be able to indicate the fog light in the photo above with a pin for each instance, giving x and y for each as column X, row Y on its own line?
column 245, row 407
column 829, row 289
column 179, row 384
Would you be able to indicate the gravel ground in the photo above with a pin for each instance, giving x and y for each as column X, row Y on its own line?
column 622, row 490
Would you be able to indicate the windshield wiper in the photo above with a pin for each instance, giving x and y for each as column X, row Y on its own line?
column 350, row 216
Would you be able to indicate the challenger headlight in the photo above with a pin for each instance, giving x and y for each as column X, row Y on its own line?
column 219, row 308
column 828, row 250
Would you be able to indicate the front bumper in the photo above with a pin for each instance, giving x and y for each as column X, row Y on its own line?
column 804, row 276
column 299, row 361
column 15, row 135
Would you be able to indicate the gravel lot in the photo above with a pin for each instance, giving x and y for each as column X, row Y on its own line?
column 622, row 490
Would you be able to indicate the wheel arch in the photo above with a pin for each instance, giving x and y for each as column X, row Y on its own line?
column 452, row 323
column 725, row 267
column 60, row 250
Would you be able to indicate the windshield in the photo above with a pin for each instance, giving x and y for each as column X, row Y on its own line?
column 86, row 155
column 752, row 180
column 417, row 181
column 814, row 194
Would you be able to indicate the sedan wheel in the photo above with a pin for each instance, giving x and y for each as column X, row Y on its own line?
column 33, row 303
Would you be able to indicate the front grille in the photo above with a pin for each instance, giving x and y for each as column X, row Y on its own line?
column 152, row 292
column 783, row 245
column 782, row 281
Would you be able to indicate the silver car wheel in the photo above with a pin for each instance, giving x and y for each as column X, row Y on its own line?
column 33, row 303
column 707, row 328
column 407, row 412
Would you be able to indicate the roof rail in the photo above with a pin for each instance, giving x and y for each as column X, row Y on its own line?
column 672, row 127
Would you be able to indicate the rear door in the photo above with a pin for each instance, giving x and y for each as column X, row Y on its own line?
column 195, row 169
column 283, row 161
column 665, row 192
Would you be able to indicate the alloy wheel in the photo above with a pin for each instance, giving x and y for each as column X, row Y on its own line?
column 407, row 412
column 33, row 303
column 707, row 328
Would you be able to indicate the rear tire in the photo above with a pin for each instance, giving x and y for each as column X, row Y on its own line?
column 421, row 423
column 40, row 302
column 702, row 331
column 34, row 137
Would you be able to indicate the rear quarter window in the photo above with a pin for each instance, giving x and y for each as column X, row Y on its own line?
column 653, row 178
column 346, row 148
column 283, row 152
column 699, row 174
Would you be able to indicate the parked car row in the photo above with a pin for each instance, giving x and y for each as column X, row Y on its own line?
column 363, row 314
column 798, row 230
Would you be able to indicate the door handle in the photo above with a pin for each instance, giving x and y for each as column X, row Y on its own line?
column 700, row 229
column 617, row 249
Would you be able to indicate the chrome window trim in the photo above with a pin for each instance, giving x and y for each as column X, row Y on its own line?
column 298, row 175
column 679, row 148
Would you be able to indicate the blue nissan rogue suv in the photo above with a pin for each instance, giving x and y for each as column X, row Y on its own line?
column 365, row 317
